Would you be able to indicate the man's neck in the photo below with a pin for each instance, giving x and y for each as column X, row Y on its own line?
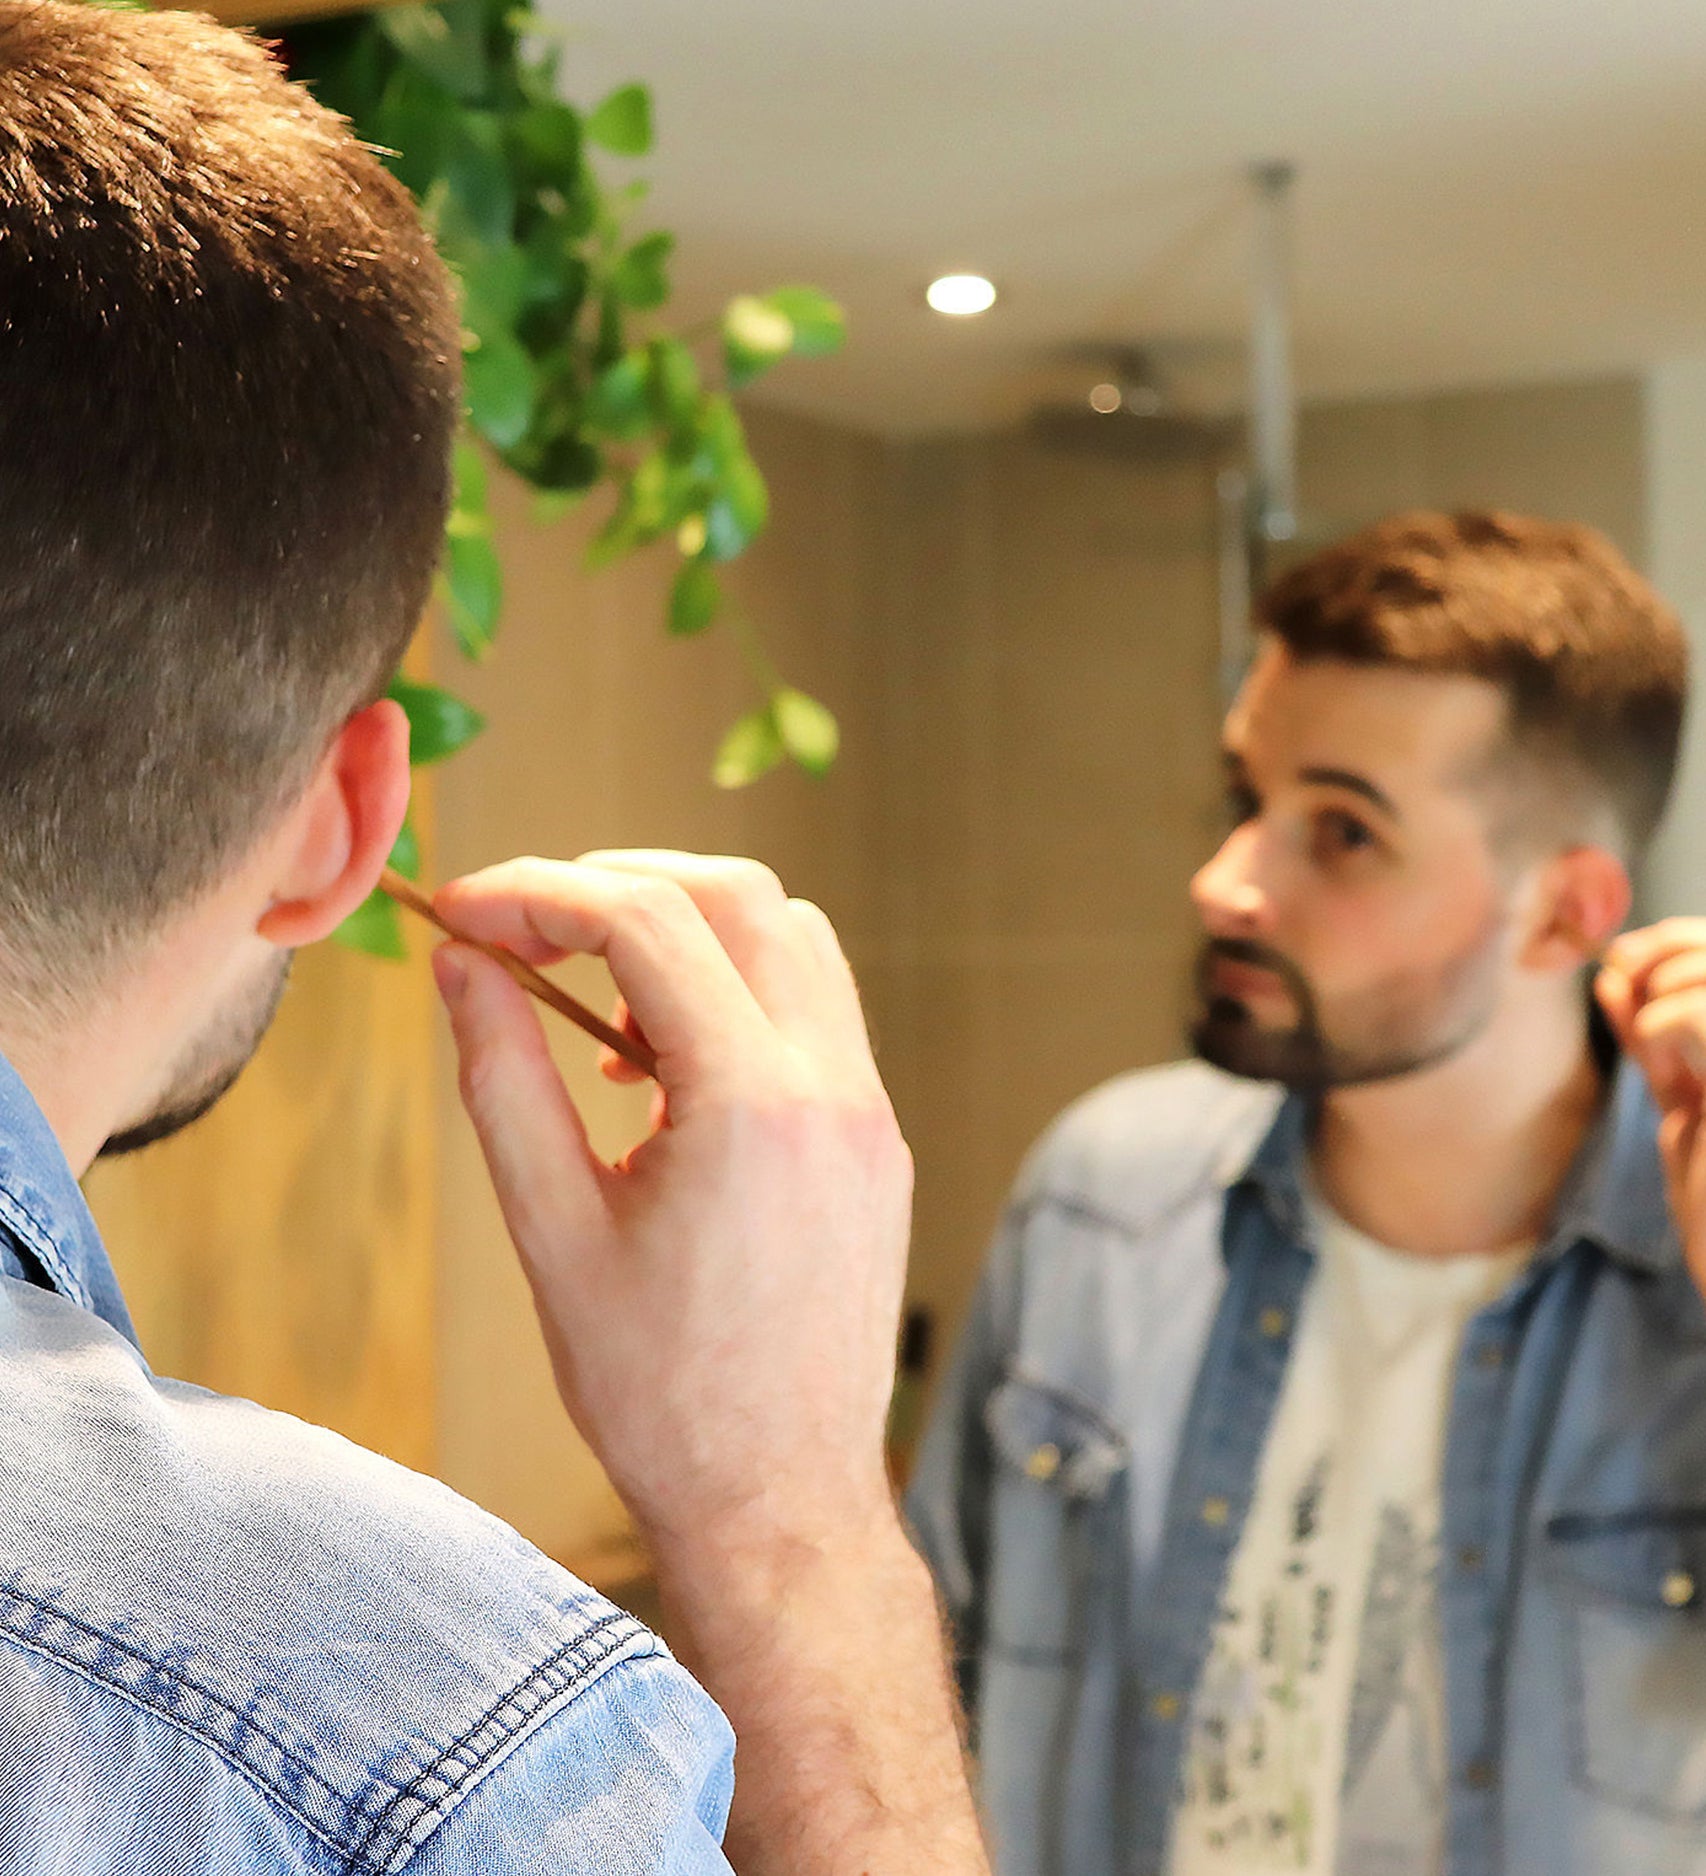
column 1468, row 1156
column 100, row 1068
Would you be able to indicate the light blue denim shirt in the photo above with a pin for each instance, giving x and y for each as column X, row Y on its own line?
column 231, row 1642
column 1090, row 1463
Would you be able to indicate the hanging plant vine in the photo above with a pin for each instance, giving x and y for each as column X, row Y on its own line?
column 572, row 378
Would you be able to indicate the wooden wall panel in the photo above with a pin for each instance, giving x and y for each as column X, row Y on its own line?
column 282, row 1248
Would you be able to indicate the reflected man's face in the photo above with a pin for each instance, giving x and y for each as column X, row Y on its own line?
column 1357, row 924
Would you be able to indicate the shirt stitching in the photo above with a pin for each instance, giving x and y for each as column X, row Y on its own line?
column 39, row 1239
column 548, row 1680
column 105, row 1640
column 247, row 1772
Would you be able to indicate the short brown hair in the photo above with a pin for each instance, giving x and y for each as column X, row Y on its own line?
column 1593, row 664
column 228, row 384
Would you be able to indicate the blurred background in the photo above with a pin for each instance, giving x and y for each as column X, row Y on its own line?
column 1007, row 550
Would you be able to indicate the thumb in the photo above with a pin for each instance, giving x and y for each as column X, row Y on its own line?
column 548, row 1180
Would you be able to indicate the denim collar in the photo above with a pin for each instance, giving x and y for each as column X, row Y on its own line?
column 47, row 1235
column 1613, row 1195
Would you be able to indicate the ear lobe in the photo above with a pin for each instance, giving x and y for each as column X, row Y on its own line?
column 1587, row 900
column 342, row 829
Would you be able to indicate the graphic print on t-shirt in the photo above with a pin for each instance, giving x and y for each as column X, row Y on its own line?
column 1317, row 1730
column 1261, row 1724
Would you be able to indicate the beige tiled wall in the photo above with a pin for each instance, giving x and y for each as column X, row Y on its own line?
column 1051, row 783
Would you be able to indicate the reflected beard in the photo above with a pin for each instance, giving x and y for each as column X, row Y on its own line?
column 1300, row 1056
column 209, row 1068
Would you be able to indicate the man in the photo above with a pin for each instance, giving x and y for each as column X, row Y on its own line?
column 230, row 1642
column 1321, row 1483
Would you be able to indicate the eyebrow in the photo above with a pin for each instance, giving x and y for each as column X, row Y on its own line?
column 1347, row 779
column 1356, row 784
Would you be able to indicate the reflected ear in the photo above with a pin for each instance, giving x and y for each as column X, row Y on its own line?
column 336, row 838
column 1584, row 898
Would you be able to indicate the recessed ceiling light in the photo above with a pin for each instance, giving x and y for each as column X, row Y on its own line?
column 960, row 295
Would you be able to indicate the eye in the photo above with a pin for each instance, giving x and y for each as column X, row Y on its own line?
column 1338, row 834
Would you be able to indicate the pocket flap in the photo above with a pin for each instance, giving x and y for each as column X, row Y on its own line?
column 1647, row 1557
column 1054, row 1437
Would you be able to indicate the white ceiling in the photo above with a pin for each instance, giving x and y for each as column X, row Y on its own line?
column 1488, row 189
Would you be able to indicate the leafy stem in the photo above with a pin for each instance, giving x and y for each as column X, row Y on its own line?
column 571, row 379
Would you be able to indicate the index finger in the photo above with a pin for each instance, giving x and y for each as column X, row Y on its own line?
column 1636, row 954
column 784, row 948
column 681, row 986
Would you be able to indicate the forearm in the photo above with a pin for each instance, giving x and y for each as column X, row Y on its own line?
column 828, row 1658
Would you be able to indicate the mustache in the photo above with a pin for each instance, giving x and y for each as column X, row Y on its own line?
column 1252, row 952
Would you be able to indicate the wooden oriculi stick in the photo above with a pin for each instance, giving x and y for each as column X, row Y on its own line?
column 406, row 893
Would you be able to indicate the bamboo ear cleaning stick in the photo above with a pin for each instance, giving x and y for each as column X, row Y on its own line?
column 407, row 894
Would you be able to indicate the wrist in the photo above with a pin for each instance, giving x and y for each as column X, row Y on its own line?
column 761, row 1566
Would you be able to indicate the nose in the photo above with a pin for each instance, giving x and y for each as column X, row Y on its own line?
column 1228, row 892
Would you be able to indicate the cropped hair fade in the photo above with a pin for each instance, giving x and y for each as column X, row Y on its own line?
column 228, row 384
column 1592, row 663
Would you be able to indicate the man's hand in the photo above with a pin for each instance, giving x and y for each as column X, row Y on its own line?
column 721, row 1307
column 1652, row 987
column 721, row 1310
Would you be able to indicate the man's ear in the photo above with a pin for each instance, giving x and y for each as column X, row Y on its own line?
column 1583, row 900
column 338, row 835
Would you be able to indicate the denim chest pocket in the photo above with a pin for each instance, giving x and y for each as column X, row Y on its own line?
column 1633, row 1585
column 1055, row 1540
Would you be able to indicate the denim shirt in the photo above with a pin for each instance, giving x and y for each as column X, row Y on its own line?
column 232, row 1642
column 1093, row 1455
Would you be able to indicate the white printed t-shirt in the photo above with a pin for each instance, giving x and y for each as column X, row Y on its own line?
column 1317, row 1736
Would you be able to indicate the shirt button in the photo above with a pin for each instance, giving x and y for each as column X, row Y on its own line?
column 1044, row 1463
column 1490, row 1355
column 1480, row 1775
column 1215, row 1511
column 1471, row 1557
column 1273, row 1323
column 1678, row 1590
column 1165, row 1706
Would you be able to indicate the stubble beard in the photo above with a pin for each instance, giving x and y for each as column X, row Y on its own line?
column 208, row 1068
column 1400, row 1028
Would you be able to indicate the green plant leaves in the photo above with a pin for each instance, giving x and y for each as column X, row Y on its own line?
column 760, row 329
column 375, row 928
column 619, row 403
column 674, row 385
column 496, row 287
column 694, row 599
column 439, row 724
column 472, row 585
column 475, row 168
column 755, row 335
column 622, row 124
column 468, row 489
column 808, row 731
column 820, row 326
column 444, row 43
column 791, row 724
column 406, row 849
column 638, row 279
column 548, row 139
column 750, row 750
column 569, row 375
column 736, row 514
column 499, row 382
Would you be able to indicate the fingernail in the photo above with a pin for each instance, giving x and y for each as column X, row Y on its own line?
column 451, row 975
